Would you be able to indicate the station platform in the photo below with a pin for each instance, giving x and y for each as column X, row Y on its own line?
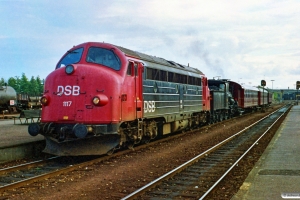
column 277, row 173
column 15, row 134
column 16, row 143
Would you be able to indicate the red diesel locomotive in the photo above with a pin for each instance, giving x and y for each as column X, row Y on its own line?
column 102, row 96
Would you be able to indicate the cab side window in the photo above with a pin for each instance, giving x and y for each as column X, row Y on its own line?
column 130, row 69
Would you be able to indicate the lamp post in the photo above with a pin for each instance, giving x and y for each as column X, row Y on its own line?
column 294, row 93
column 272, row 84
column 272, row 90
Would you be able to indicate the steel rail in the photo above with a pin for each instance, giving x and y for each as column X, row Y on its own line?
column 81, row 165
column 190, row 162
column 63, row 170
column 25, row 165
column 239, row 159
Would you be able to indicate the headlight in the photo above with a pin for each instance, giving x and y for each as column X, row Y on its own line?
column 69, row 69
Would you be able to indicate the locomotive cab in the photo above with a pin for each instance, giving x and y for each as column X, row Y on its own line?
column 85, row 91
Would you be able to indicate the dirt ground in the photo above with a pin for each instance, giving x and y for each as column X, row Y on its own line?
column 118, row 177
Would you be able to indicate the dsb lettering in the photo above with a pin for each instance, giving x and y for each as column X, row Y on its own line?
column 68, row 90
column 149, row 106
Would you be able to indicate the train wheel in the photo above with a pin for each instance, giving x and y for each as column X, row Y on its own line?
column 215, row 118
column 221, row 117
column 211, row 120
column 110, row 152
column 130, row 145
column 225, row 116
column 146, row 140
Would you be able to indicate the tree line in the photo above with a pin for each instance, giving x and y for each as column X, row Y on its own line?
column 33, row 87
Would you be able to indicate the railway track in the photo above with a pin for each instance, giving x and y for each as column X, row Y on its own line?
column 13, row 179
column 196, row 178
column 21, row 175
column 27, row 173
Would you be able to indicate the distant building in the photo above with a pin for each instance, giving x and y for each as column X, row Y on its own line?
column 286, row 94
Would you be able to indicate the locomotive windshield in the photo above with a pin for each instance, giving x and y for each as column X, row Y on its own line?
column 71, row 58
column 103, row 57
column 217, row 86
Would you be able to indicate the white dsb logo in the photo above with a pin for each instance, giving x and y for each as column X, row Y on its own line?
column 68, row 90
column 149, row 106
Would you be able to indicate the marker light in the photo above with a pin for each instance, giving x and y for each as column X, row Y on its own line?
column 100, row 100
column 96, row 101
column 44, row 100
column 69, row 69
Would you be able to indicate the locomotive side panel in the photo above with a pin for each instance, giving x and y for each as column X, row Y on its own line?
column 161, row 99
column 218, row 101
column 193, row 98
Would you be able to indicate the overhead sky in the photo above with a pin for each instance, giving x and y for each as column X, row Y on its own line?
column 245, row 41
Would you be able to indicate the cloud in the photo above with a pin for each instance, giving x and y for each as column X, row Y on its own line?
column 248, row 40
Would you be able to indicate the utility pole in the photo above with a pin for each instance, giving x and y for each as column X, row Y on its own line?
column 272, row 84
column 263, row 84
column 297, row 87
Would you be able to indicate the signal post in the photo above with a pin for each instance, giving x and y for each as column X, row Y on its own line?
column 297, row 87
column 263, row 84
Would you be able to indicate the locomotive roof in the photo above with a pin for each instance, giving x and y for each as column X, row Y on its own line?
column 158, row 60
